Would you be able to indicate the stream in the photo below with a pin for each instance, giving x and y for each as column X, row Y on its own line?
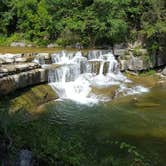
column 101, row 118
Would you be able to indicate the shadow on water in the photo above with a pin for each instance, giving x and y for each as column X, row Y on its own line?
column 122, row 132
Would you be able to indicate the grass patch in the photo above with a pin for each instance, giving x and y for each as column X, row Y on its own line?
column 148, row 73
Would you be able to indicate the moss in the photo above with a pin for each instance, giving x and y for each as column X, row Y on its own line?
column 147, row 79
column 137, row 52
column 32, row 98
column 148, row 73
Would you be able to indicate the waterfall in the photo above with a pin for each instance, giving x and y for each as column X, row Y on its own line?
column 76, row 75
column 101, row 68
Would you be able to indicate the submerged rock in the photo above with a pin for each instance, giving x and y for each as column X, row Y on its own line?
column 25, row 158
column 147, row 104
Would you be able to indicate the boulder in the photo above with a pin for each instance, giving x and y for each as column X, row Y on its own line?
column 17, row 44
column 51, row 45
column 164, row 71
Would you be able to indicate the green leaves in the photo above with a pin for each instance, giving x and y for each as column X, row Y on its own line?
column 89, row 22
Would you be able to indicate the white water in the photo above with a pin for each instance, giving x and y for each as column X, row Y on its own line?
column 76, row 76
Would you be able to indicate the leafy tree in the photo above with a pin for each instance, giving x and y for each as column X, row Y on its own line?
column 89, row 22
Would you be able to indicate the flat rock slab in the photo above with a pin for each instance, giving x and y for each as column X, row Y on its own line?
column 11, row 83
column 13, row 58
column 17, row 68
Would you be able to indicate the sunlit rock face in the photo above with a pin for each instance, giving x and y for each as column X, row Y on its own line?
column 9, row 69
column 164, row 71
column 17, row 81
column 74, row 76
column 18, row 71
column 133, row 63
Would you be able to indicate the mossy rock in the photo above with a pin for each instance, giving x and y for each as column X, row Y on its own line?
column 149, row 105
column 32, row 98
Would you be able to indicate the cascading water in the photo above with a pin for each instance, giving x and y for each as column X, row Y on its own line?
column 76, row 75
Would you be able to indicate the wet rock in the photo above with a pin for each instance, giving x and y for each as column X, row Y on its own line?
column 17, row 68
column 43, row 58
column 162, row 83
column 11, row 83
column 25, row 158
column 21, row 60
column 147, row 105
column 134, row 100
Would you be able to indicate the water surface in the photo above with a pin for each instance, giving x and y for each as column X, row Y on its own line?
column 97, row 133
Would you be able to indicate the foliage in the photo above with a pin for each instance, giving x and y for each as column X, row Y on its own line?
column 88, row 22
column 148, row 73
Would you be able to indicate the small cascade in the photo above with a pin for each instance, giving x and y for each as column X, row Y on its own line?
column 101, row 68
column 75, row 76
column 39, row 60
